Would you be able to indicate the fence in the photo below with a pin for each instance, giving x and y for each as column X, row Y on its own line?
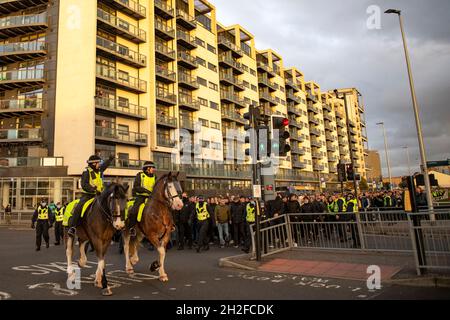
column 18, row 217
column 377, row 231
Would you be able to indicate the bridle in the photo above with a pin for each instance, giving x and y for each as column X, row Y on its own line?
column 113, row 214
column 169, row 196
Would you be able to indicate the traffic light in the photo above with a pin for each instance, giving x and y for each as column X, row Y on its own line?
column 350, row 172
column 263, row 142
column 253, row 117
column 279, row 145
column 342, row 174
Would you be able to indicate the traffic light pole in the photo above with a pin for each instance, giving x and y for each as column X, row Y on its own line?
column 355, row 185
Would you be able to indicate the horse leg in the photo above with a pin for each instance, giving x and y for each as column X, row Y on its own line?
column 99, row 272
column 162, row 255
column 135, row 247
column 126, row 250
column 83, row 258
column 69, row 253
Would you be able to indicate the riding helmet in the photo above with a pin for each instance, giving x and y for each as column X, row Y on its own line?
column 94, row 159
column 148, row 164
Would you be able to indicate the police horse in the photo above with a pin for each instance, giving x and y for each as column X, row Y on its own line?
column 155, row 223
column 101, row 220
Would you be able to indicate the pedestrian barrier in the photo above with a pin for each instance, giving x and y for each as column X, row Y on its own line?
column 19, row 217
column 274, row 236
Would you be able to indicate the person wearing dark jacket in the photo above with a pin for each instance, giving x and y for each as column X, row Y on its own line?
column 91, row 185
column 293, row 207
column 238, row 214
column 182, row 218
column 307, row 218
column 42, row 221
column 212, row 220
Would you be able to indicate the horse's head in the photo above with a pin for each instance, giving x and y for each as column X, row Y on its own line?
column 117, row 203
column 173, row 191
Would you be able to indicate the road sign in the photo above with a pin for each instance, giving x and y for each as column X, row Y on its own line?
column 257, row 191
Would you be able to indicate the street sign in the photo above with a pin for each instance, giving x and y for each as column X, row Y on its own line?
column 434, row 164
column 257, row 191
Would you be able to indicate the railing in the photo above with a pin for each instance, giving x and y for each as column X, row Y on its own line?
column 229, row 60
column 187, row 57
column 21, row 134
column 231, row 97
column 133, row 6
column 187, row 123
column 166, row 95
column 162, row 141
column 188, row 101
column 122, row 79
column 267, row 96
column 164, row 7
column 21, row 104
column 23, row 75
column 122, row 51
column 265, row 67
column 230, row 45
column 186, row 37
column 121, row 107
column 32, row 162
column 165, row 28
column 185, row 16
column 232, row 115
column 165, row 119
column 165, row 50
column 21, row 47
column 164, row 72
column 231, row 78
column 265, row 80
column 314, row 131
column 187, row 79
column 121, row 135
column 23, row 20
column 121, row 24
column 127, row 164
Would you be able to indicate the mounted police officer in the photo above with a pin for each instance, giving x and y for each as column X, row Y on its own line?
column 59, row 216
column 144, row 182
column 201, row 210
column 91, row 185
column 42, row 221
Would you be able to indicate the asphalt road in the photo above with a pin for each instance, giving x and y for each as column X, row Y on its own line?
column 27, row 274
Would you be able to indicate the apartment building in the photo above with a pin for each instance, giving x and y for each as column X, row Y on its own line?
column 158, row 80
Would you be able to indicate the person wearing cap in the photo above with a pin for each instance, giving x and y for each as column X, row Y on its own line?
column 91, row 185
column 59, row 229
column 41, row 220
column 203, row 216
column 144, row 182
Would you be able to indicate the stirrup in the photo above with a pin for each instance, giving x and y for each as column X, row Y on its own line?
column 71, row 232
column 132, row 232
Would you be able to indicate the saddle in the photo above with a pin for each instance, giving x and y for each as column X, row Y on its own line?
column 130, row 204
column 71, row 206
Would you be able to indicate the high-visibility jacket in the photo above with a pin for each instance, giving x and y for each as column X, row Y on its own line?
column 250, row 213
column 59, row 214
column 334, row 206
column 387, row 201
column 95, row 179
column 355, row 204
column 147, row 183
column 42, row 213
column 202, row 211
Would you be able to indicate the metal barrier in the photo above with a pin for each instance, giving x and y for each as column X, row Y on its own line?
column 18, row 217
column 275, row 236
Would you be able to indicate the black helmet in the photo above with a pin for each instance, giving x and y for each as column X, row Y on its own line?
column 148, row 164
column 94, row 159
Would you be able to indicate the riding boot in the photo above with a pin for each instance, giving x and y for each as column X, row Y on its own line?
column 74, row 222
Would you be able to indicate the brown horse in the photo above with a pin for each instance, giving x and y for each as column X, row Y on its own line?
column 156, row 223
column 101, row 220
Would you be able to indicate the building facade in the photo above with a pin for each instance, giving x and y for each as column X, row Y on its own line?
column 158, row 80
column 373, row 167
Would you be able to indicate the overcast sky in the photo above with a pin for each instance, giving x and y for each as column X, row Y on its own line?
column 329, row 41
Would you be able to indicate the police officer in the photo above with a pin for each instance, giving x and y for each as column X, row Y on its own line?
column 91, row 185
column 336, row 207
column 203, row 216
column 144, row 182
column 249, row 221
column 59, row 216
column 42, row 221
column 352, row 211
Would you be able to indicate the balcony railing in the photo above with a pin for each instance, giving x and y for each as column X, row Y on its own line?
column 314, row 131
column 191, row 82
column 124, row 108
column 165, row 74
column 187, row 123
column 162, row 141
column 127, row 164
column 123, row 80
column 188, row 102
column 166, row 120
column 233, row 98
column 32, row 162
column 224, row 42
column 130, row 7
column 166, row 96
column 312, row 108
column 293, row 122
column 292, row 85
column 165, row 52
column 163, row 9
column 187, row 60
column 120, row 136
column 21, row 135
column 292, row 97
column 21, row 78
column 295, row 136
column 230, row 78
column 298, row 164
column 233, row 115
column 164, row 31
column 21, row 105
column 12, row 26
column 327, row 107
column 122, row 27
column 297, row 150
column 316, row 143
column 267, row 97
column 265, row 81
column 13, row 6
column 186, row 39
column 18, row 51
column 314, row 120
column 125, row 54
column 186, row 20
column 266, row 68
column 227, row 59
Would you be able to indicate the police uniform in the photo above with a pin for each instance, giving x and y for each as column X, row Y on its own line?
column 201, row 210
column 339, row 206
column 142, row 190
column 249, row 221
column 41, row 220
column 59, row 216
column 352, row 210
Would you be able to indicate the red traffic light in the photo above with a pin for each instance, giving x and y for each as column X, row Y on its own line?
column 285, row 122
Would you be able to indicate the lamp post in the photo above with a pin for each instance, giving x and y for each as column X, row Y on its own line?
column 387, row 155
column 407, row 157
column 416, row 113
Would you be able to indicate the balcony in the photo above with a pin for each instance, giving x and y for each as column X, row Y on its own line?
column 267, row 110
column 352, row 123
column 295, row 136
column 264, row 81
column 331, row 148
column 187, row 61
column 315, row 143
column 166, row 121
column 312, row 108
column 317, row 155
column 163, row 31
column 294, row 109
column 187, row 102
column 231, row 80
column 21, row 51
column 14, row 26
column 120, row 136
column 318, row 167
column 311, row 97
column 164, row 53
column 354, row 148
column 21, row 135
column 353, row 131
column 330, row 137
column 226, row 44
column 315, row 132
column 329, row 127
column 130, row 7
column 120, row 27
column 332, row 158
column 314, row 120
column 233, row 116
column 264, row 67
column 165, row 75
column 296, row 163
column 164, row 10
column 31, row 162
column 188, row 82
column 341, row 124
column 343, row 150
column 119, row 107
column 186, row 40
column 17, row 79
column 232, row 98
column 163, row 141
column 11, row 6
column 121, row 80
column 353, row 139
column 294, row 123
column 328, row 116
column 297, row 150
column 127, row 164
column 121, row 53
column 327, row 107
column 187, row 123
column 227, row 61
column 290, row 96
column 292, row 85
column 265, row 96
column 17, row 108
column 165, row 97
column 185, row 20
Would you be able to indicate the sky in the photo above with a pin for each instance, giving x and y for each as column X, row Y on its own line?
column 341, row 44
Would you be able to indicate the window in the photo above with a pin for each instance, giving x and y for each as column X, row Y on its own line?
column 123, row 129
column 254, row 88
column 244, row 67
column 123, row 102
column 214, row 105
column 205, row 144
column 212, row 67
column 215, row 145
column 203, row 102
column 246, row 84
column 124, row 76
column 201, row 62
column 282, row 89
column 204, row 122
column 253, row 72
column 202, row 81
column 213, row 86
column 200, row 42
column 212, row 49
column 215, row 125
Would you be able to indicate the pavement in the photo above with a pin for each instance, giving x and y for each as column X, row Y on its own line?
column 212, row 275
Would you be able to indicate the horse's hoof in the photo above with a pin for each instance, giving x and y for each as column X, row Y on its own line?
column 107, row 292
column 130, row 271
column 164, row 278
column 81, row 263
column 154, row 266
column 98, row 284
column 134, row 261
column 71, row 277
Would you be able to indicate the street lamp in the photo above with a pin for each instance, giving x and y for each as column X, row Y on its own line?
column 416, row 112
column 407, row 156
column 387, row 155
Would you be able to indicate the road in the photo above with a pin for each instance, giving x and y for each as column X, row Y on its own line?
column 27, row 274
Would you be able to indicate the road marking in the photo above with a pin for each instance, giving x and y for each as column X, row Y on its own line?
column 155, row 292
column 188, row 285
column 55, row 287
column 217, row 279
column 173, row 289
column 4, row 295
column 202, row 282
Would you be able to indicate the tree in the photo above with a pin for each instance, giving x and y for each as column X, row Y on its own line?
column 363, row 184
